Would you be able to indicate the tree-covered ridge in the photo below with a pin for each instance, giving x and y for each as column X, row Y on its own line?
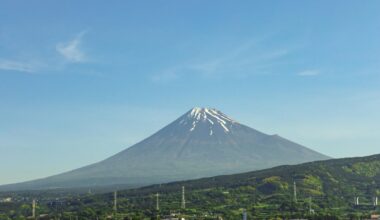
column 369, row 169
column 323, row 189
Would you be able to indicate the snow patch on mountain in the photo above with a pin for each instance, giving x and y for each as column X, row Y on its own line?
column 207, row 115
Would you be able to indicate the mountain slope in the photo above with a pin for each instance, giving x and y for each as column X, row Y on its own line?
column 203, row 142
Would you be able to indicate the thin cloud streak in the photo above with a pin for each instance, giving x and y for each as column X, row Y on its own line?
column 247, row 59
column 71, row 51
column 17, row 66
column 309, row 73
column 166, row 76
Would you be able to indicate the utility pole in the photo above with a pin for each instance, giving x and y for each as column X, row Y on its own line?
column 244, row 214
column 356, row 200
column 115, row 203
column 158, row 206
column 34, row 209
column 311, row 211
column 294, row 191
column 183, row 203
column 157, row 202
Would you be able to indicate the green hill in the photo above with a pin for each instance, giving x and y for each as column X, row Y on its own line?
column 327, row 187
column 324, row 190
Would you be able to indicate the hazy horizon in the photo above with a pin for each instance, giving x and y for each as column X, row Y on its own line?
column 81, row 81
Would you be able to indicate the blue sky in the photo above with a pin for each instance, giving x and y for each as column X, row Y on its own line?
column 82, row 80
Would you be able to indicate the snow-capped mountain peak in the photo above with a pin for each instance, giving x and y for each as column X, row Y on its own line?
column 211, row 117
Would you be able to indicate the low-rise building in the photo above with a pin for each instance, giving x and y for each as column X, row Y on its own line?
column 8, row 199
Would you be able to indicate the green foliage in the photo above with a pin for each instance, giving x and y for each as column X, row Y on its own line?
column 273, row 184
column 369, row 169
column 312, row 185
column 4, row 217
column 327, row 187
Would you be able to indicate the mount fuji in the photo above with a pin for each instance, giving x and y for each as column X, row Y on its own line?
column 203, row 142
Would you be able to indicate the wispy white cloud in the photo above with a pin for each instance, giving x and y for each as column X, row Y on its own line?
column 276, row 54
column 71, row 50
column 166, row 76
column 311, row 72
column 19, row 66
column 245, row 59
